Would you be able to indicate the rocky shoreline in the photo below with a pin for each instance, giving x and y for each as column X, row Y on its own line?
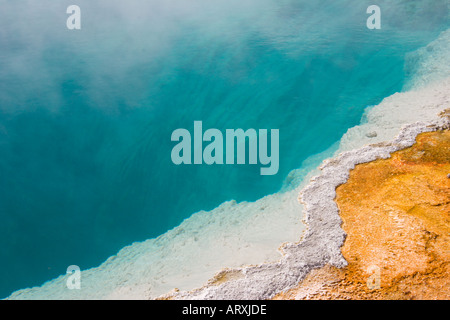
column 396, row 214
column 321, row 244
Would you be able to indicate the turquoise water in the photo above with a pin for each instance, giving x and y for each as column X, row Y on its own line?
column 86, row 116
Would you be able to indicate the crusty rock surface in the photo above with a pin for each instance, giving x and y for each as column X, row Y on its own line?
column 396, row 214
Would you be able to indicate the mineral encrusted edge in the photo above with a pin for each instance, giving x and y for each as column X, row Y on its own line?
column 323, row 237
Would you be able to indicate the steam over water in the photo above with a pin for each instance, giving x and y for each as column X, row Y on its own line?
column 86, row 116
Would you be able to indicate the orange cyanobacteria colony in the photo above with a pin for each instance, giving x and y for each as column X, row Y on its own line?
column 396, row 214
